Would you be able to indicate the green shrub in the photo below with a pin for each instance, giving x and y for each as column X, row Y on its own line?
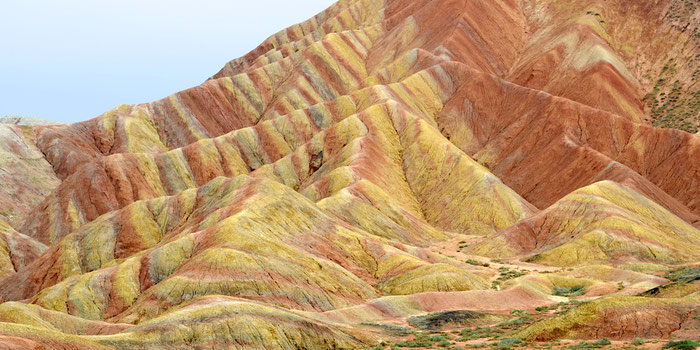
column 506, row 343
column 568, row 292
column 414, row 344
column 477, row 263
column 391, row 328
column 520, row 313
column 596, row 344
column 523, row 317
column 457, row 318
column 601, row 342
column 638, row 341
column 682, row 344
column 506, row 274
column 512, row 323
column 546, row 308
column 478, row 333
column 435, row 338
column 686, row 274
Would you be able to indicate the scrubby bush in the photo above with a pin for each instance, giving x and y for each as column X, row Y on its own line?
column 602, row 342
column 441, row 319
column 477, row 263
column 414, row 344
column 523, row 317
column 435, row 338
column 391, row 328
column 686, row 274
column 478, row 333
column 682, row 344
column 506, row 343
column 568, row 292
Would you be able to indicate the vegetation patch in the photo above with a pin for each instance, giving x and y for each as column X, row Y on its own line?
column 505, row 274
column 389, row 328
column 507, row 343
column 568, row 292
column 561, row 307
column 479, row 333
column 521, row 318
column 682, row 344
column 459, row 318
column 672, row 103
column 680, row 286
column 477, row 263
column 414, row 344
column 591, row 345
column 684, row 275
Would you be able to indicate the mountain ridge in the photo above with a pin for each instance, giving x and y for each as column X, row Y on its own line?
column 380, row 161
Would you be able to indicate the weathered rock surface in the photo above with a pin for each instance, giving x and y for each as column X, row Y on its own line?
column 363, row 167
column 618, row 318
column 26, row 121
column 599, row 223
column 27, row 177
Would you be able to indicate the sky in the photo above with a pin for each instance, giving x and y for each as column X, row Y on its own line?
column 72, row 60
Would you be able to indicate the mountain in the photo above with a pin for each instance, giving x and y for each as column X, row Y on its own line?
column 504, row 171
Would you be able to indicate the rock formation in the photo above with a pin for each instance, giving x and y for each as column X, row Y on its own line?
column 382, row 160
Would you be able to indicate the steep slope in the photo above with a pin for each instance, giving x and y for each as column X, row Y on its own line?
column 231, row 323
column 618, row 318
column 600, row 223
column 380, row 161
column 27, row 177
column 16, row 250
column 637, row 59
column 568, row 145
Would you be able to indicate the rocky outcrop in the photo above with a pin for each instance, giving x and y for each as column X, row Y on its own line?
column 365, row 166
column 598, row 224
column 27, row 177
column 618, row 318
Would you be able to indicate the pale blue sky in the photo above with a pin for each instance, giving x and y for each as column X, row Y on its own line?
column 71, row 60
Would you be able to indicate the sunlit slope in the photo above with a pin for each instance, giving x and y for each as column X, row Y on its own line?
column 380, row 161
